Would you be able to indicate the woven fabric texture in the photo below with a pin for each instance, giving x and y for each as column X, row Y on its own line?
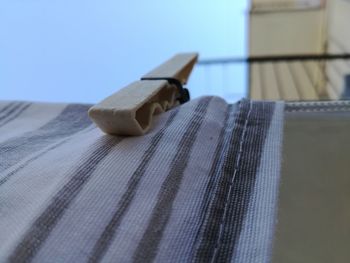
column 201, row 186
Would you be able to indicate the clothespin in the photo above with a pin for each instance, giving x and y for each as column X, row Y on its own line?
column 130, row 110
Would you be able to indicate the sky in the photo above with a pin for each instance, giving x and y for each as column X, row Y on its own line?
column 83, row 51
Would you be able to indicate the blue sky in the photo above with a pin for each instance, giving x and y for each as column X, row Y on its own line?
column 82, row 51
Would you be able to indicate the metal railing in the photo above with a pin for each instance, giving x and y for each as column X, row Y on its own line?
column 287, row 77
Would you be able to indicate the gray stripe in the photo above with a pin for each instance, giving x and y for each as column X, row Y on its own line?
column 108, row 234
column 244, row 181
column 14, row 114
column 257, row 232
column 44, row 224
column 214, row 173
column 40, row 154
column 148, row 246
column 230, row 202
column 10, row 109
column 71, row 120
column 6, row 108
column 210, row 227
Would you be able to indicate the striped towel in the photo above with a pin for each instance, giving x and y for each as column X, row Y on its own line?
column 201, row 186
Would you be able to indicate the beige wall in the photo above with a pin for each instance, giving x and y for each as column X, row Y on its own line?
column 282, row 32
column 286, row 4
column 277, row 33
column 338, row 42
column 281, row 27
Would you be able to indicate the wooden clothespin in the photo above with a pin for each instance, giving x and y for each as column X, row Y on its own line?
column 130, row 110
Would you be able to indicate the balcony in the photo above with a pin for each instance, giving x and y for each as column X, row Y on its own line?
column 283, row 77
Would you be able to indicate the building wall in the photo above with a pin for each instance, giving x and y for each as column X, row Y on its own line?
column 338, row 42
column 281, row 27
column 283, row 31
column 278, row 4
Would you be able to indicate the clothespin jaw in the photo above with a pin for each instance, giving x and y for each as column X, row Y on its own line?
column 130, row 110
